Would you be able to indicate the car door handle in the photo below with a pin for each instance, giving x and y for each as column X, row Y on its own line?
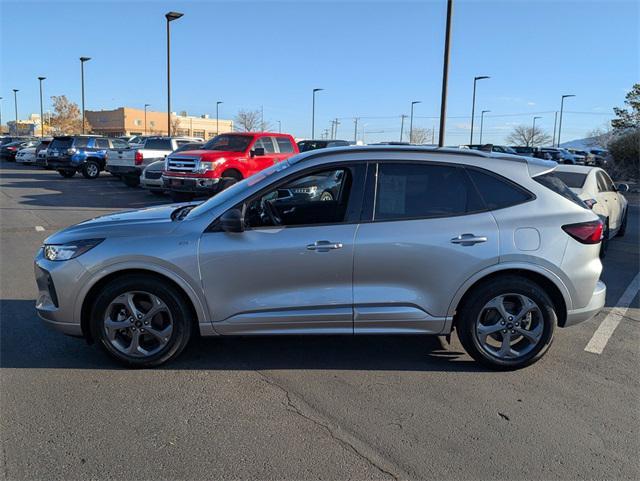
column 324, row 246
column 468, row 239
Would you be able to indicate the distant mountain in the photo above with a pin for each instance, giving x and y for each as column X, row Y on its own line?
column 582, row 144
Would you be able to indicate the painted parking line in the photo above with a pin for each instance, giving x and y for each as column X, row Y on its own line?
column 39, row 228
column 609, row 323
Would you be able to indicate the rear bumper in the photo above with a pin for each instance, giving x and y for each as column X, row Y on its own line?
column 124, row 170
column 201, row 185
column 60, row 163
column 594, row 306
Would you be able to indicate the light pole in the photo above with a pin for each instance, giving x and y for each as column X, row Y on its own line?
column 41, row 109
column 561, row 108
column 355, row 130
column 218, row 116
column 171, row 16
column 533, row 131
column 15, row 101
column 82, row 61
column 555, row 124
column 445, row 74
column 145, row 117
column 482, row 123
column 402, row 117
column 473, row 103
column 313, row 113
column 0, row 115
column 411, row 121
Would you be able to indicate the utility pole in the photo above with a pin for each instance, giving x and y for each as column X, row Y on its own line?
column 555, row 122
column 402, row 117
column 145, row 117
column 482, row 123
column 445, row 74
column 355, row 130
column 0, row 115
column 41, row 109
column 15, row 101
column 218, row 117
column 411, row 121
column 533, row 131
column 561, row 110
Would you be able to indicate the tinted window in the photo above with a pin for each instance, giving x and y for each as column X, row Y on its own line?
column 410, row 191
column 602, row 185
column 318, row 198
column 284, row 144
column 61, row 143
column 158, row 144
column 229, row 143
column 102, row 143
column 119, row 144
column 553, row 182
column 268, row 145
column 572, row 179
column 607, row 181
column 81, row 142
column 497, row 192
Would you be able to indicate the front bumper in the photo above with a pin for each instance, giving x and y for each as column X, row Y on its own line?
column 151, row 183
column 194, row 185
column 125, row 170
column 594, row 306
column 57, row 283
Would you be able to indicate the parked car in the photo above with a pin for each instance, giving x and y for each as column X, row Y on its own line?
column 550, row 153
column 9, row 150
column 306, row 145
column 502, row 149
column 69, row 154
column 524, row 150
column 416, row 241
column 580, row 156
column 600, row 157
column 8, row 139
column 223, row 161
column 26, row 155
column 41, row 152
column 129, row 162
column 151, row 177
column 594, row 186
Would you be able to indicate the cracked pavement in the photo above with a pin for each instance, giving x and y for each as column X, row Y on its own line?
column 293, row 407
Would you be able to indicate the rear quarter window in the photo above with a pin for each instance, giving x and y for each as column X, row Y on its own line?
column 572, row 179
column 498, row 192
column 284, row 144
column 552, row 182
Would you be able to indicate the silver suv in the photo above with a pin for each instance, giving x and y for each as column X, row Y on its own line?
column 371, row 240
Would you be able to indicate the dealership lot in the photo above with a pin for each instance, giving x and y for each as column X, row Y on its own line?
column 299, row 408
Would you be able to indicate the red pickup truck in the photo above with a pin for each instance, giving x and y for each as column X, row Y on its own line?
column 224, row 160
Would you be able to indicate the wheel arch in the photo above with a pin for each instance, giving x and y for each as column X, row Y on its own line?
column 552, row 284
column 232, row 170
column 189, row 296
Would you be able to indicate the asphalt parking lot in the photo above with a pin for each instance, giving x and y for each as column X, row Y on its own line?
column 294, row 407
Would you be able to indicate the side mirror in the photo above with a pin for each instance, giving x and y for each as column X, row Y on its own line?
column 257, row 152
column 622, row 187
column 232, row 221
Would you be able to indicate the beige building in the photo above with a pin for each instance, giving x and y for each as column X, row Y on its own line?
column 129, row 121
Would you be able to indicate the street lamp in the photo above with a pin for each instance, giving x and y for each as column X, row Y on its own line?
column 171, row 16
column 82, row 61
column 482, row 123
column 560, row 124
column 473, row 103
column 313, row 113
column 41, row 109
column 217, row 118
column 402, row 117
column 145, row 117
column 445, row 74
column 15, row 101
column 533, row 131
column 411, row 121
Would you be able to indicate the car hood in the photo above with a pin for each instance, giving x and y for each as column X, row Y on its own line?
column 151, row 221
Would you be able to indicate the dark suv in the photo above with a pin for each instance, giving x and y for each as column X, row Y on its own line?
column 85, row 153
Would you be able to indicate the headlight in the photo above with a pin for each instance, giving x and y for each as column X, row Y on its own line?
column 204, row 166
column 63, row 252
column 305, row 190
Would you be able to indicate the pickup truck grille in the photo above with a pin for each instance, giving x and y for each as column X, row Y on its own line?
column 182, row 164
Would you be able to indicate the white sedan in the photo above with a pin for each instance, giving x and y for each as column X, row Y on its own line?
column 594, row 186
column 26, row 155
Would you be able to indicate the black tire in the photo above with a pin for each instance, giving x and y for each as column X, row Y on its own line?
column 131, row 180
column 157, row 192
column 91, row 169
column 181, row 196
column 228, row 179
column 475, row 301
column 67, row 174
column 604, row 245
column 623, row 226
column 174, row 300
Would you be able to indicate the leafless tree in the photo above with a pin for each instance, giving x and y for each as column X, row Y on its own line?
column 420, row 136
column 248, row 121
column 526, row 136
column 601, row 136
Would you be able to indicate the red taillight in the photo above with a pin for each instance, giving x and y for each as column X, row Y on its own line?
column 12, row 148
column 585, row 232
column 138, row 158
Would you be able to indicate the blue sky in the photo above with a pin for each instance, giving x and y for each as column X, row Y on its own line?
column 371, row 57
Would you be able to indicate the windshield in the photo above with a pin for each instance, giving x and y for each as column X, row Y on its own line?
column 229, row 143
column 235, row 189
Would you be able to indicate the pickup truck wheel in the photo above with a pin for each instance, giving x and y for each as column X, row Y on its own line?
column 506, row 323
column 181, row 196
column 67, row 174
column 90, row 169
column 141, row 321
column 131, row 180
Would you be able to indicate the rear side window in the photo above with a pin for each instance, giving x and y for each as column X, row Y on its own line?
column 119, row 144
column 414, row 191
column 572, row 179
column 62, row 143
column 102, row 143
column 158, row 144
column 284, row 144
column 553, row 182
column 497, row 192
column 80, row 142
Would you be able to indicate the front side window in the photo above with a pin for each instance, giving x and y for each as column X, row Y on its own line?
column 102, row 143
column 229, row 143
column 318, row 198
column 269, row 148
column 414, row 191
column 497, row 192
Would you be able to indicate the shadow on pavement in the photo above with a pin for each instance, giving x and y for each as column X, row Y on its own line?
column 25, row 343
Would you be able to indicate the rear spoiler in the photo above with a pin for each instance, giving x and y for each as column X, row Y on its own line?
column 540, row 166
